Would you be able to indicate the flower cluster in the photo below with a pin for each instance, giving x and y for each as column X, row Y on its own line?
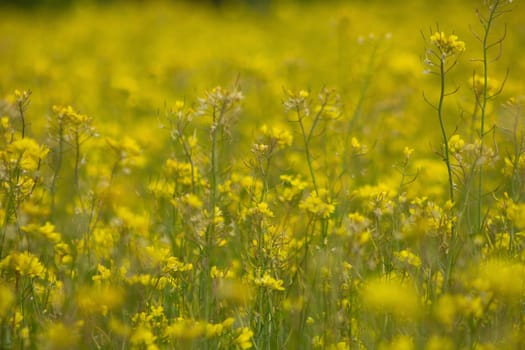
column 447, row 45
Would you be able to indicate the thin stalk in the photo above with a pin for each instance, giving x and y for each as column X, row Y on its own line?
column 217, row 117
column 22, row 117
column 210, row 231
column 77, row 161
column 483, row 108
column 367, row 79
column 307, row 151
column 188, row 153
column 442, row 126
column 450, row 253
column 58, row 165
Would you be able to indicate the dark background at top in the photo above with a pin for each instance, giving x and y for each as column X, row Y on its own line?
column 28, row 4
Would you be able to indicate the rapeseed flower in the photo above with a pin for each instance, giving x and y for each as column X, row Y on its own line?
column 98, row 299
column 269, row 282
column 293, row 186
column 405, row 256
column 59, row 336
column 277, row 135
column 244, row 340
column 446, row 309
column 185, row 329
column 104, row 274
column 26, row 152
column 69, row 115
column 24, row 264
column 478, row 85
column 46, row 231
column 439, row 343
column 447, row 45
column 456, row 144
column 318, row 204
column 6, row 299
column 143, row 337
column 401, row 342
column 172, row 265
column 128, row 152
column 391, row 296
column 504, row 278
column 233, row 290
column 120, row 328
column 63, row 257
column 259, row 210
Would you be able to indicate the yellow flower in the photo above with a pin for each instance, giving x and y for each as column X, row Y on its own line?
column 503, row 277
column 318, row 206
column 180, row 171
column 407, row 257
column 27, row 152
column 293, row 186
column 119, row 327
column 6, row 299
column 22, row 96
column 516, row 214
column 342, row 345
column 185, row 329
column 128, row 151
column 244, row 340
column 25, row 264
column 59, row 336
column 407, row 151
column 98, row 299
column 104, row 274
column 143, row 336
column 445, row 309
column 391, row 296
column 217, row 329
column 470, row 306
column 172, row 264
column 400, row 342
column 47, row 231
column 234, row 291
column 478, row 85
column 356, row 145
column 455, row 144
column 132, row 220
column 439, row 343
column 260, row 210
column 4, row 123
column 193, row 201
column 179, row 104
column 277, row 135
column 260, row 148
column 63, row 254
column 447, row 46
column 304, row 93
column 269, row 282
column 69, row 115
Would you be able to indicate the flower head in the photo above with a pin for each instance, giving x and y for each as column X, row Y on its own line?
column 447, row 45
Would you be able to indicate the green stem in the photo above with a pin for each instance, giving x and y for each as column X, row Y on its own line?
column 450, row 253
column 307, row 151
column 22, row 118
column 442, row 125
column 367, row 79
column 483, row 108
column 77, row 162
column 58, row 166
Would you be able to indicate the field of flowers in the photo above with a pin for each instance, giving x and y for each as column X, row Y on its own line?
column 298, row 175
